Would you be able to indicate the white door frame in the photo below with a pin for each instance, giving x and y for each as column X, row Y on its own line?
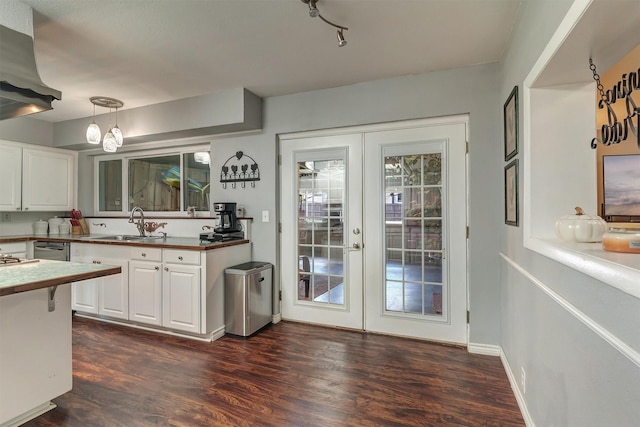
column 462, row 119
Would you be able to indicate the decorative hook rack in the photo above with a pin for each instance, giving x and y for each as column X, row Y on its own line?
column 236, row 172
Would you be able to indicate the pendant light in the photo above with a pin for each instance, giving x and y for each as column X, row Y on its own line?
column 117, row 133
column 113, row 138
column 93, row 131
column 109, row 143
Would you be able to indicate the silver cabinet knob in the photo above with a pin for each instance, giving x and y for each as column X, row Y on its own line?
column 143, row 254
column 180, row 258
column 166, row 269
column 157, row 268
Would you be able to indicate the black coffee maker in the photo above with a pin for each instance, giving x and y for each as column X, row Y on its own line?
column 229, row 227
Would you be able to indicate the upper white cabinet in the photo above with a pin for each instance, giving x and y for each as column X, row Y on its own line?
column 37, row 179
column 11, row 177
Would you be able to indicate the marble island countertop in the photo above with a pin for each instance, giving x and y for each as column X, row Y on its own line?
column 30, row 276
column 188, row 243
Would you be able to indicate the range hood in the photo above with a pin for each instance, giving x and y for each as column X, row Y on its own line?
column 21, row 90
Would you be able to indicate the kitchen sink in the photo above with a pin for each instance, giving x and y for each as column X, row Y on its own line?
column 130, row 238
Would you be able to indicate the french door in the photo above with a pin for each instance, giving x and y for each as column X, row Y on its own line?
column 321, row 196
column 374, row 228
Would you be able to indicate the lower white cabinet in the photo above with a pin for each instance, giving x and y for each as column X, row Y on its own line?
column 181, row 296
column 165, row 288
column 105, row 296
column 145, row 292
column 170, row 289
column 16, row 249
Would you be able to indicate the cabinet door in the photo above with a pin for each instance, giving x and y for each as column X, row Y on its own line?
column 145, row 292
column 47, row 180
column 11, row 178
column 181, row 297
column 84, row 296
column 114, row 291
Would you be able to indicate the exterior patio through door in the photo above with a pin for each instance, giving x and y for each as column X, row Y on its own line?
column 374, row 228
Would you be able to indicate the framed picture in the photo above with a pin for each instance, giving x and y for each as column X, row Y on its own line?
column 511, row 125
column 511, row 216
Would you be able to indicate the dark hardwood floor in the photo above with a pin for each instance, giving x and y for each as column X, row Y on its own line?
column 288, row 374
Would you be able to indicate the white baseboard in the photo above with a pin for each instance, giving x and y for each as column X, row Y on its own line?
column 487, row 350
column 276, row 318
column 528, row 421
column 496, row 350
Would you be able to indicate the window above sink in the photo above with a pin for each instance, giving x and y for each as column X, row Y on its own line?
column 159, row 181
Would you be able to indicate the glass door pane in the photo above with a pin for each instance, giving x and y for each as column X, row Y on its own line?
column 413, row 234
column 321, row 198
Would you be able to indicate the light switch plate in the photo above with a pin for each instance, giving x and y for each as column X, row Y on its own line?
column 265, row 216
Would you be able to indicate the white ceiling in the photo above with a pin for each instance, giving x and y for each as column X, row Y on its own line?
column 149, row 51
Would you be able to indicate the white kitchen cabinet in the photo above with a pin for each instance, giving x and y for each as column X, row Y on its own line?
column 181, row 296
column 177, row 291
column 105, row 296
column 15, row 249
column 47, row 180
column 145, row 285
column 11, row 177
column 145, row 292
column 84, row 295
column 166, row 293
column 37, row 179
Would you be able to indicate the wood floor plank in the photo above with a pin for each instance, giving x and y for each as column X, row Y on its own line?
column 288, row 374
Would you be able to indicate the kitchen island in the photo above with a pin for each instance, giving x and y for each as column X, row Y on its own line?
column 35, row 334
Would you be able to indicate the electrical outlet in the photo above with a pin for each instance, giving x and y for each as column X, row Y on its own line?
column 523, row 380
column 6, row 217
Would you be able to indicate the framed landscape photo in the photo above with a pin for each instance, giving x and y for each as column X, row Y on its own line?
column 511, row 125
column 511, row 214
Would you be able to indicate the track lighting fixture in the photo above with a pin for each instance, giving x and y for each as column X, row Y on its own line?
column 314, row 12
column 341, row 40
column 113, row 138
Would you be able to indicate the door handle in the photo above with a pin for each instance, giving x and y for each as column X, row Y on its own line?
column 355, row 247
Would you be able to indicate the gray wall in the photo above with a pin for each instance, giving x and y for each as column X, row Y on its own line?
column 470, row 90
column 559, row 325
column 28, row 130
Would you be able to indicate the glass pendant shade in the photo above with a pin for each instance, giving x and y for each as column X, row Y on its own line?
column 109, row 143
column 117, row 134
column 93, row 133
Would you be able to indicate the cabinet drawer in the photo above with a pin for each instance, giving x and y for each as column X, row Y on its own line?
column 182, row 257
column 146, row 254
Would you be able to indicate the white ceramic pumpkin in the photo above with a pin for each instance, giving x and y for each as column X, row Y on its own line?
column 580, row 227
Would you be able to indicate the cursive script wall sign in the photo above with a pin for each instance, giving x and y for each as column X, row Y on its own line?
column 614, row 131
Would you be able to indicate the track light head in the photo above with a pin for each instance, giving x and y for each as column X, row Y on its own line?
column 341, row 41
column 313, row 9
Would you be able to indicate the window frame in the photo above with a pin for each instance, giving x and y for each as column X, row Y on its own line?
column 124, row 157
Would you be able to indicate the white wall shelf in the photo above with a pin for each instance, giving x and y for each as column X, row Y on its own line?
column 559, row 121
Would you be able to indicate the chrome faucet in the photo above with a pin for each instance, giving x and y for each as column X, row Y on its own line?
column 139, row 224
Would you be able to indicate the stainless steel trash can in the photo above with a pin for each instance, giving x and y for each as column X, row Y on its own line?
column 247, row 297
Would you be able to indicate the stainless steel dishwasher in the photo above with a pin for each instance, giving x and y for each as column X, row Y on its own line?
column 57, row 251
